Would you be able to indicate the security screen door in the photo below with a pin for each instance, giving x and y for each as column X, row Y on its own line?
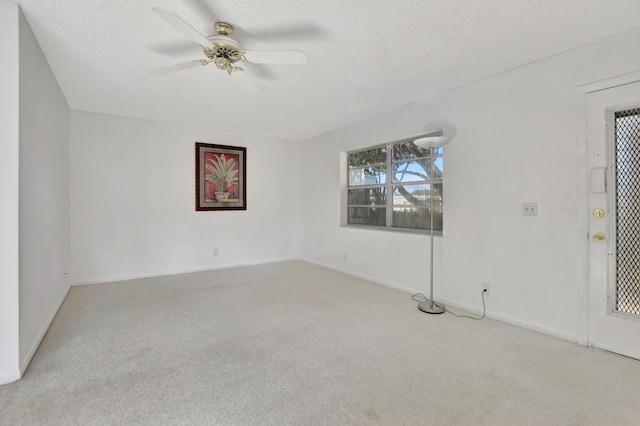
column 613, row 132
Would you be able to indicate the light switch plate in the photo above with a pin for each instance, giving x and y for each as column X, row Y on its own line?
column 529, row 209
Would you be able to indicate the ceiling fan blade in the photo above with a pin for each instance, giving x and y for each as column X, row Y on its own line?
column 276, row 56
column 176, row 67
column 182, row 26
column 246, row 82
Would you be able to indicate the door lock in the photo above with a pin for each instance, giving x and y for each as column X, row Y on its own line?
column 599, row 213
column 598, row 236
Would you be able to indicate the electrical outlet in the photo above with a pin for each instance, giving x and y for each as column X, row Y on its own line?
column 485, row 287
column 344, row 255
column 214, row 252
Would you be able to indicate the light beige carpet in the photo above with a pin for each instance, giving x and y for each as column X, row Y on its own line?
column 295, row 344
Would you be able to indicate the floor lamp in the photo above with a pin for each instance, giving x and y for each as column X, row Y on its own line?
column 431, row 143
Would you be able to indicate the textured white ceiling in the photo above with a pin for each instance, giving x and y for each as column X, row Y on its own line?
column 365, row 57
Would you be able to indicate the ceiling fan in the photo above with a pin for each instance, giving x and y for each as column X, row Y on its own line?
column 225, row 52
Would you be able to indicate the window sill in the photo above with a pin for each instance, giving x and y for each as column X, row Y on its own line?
column 391, row 229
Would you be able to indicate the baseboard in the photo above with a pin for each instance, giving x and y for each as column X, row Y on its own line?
column 180, row 271
column 471, row 309
column 36, row 343
column 362, row 276
column 614, row 351
column 513, row 321
column 7, row 377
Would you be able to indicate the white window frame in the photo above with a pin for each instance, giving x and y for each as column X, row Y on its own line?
column 389, row 186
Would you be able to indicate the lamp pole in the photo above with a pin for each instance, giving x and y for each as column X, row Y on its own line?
column 430, row 308
column 432, row 143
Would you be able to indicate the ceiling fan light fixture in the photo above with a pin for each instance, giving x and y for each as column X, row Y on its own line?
column 222, row 63
column 226, row 64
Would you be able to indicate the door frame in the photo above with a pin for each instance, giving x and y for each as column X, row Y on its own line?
column 583, row 177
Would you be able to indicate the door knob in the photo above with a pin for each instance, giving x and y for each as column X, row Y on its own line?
column 598, row 236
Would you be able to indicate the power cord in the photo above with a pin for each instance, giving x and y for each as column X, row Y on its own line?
column 484, row 308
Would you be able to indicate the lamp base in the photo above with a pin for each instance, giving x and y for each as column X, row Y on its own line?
column 426, row 307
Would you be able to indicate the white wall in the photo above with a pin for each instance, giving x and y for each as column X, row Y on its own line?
column 133, row 201
column 9, row 212
column 517, row 141
column 44, row 194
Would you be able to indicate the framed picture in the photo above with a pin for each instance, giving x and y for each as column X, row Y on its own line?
column 221, row 177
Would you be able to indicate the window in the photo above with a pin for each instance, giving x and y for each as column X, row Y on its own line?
column 389, row 186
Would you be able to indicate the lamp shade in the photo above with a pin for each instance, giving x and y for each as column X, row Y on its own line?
column 432, row 141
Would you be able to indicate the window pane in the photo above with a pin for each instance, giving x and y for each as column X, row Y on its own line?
column 417, row 218
column 371, row 196
column 368, row 175
column 411, row 195
column 437, row 167
column 370, row 156
column 408, row 151
column 374, row 216
column 413, row 171
column 437, row 196
column 413, row 218
column 411, row 206
column 417, row 195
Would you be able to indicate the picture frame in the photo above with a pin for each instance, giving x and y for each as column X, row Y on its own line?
column 221, row 177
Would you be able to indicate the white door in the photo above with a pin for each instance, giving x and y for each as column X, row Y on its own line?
column 613, row 133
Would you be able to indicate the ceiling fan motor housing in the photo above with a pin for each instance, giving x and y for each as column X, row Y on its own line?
column 223, row 47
